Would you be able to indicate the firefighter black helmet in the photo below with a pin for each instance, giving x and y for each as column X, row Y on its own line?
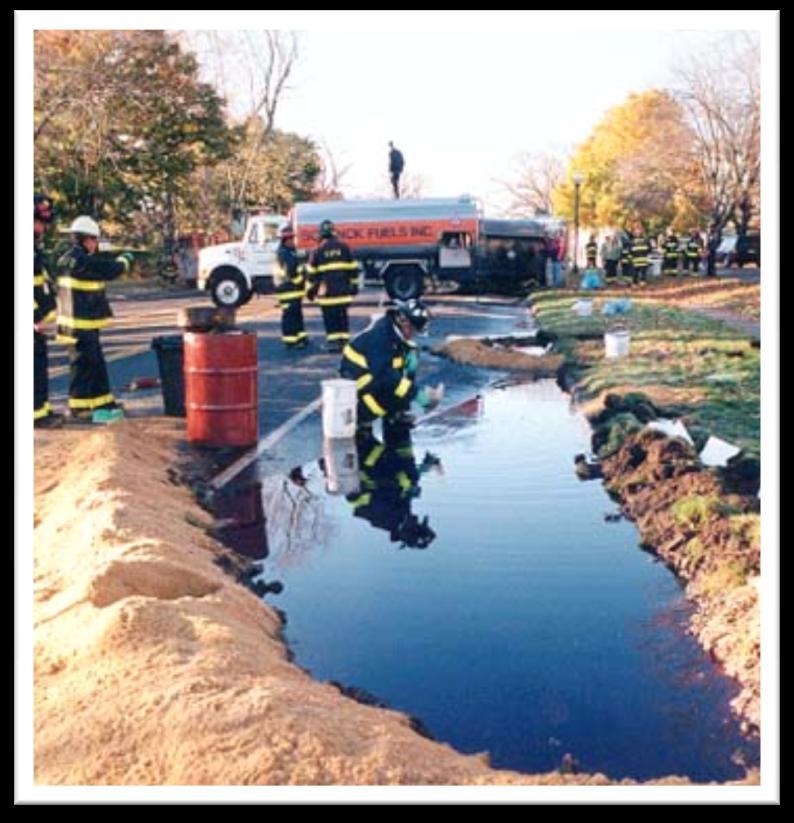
column 326, row 229
column 414, row 310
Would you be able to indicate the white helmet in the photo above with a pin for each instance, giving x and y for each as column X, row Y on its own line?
column 85, row 225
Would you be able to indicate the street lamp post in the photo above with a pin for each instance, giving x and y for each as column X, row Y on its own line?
column 577, row 182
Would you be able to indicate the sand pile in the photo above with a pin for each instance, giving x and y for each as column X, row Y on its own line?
column 476, row 353
column 152, row 666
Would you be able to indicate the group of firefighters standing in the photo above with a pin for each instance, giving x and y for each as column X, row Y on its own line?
column 630, row 252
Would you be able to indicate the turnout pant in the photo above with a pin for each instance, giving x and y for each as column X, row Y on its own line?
column 670, row 265
column 611, row 269
column 41, row 405
column 337, row 327
column 89, row 387
column 292, row 329
column 640, row 274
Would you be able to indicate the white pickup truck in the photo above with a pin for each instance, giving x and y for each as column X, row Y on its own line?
column 233, row 272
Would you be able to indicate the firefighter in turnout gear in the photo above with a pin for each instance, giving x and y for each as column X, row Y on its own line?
column 389, row 482
column 44, row 312
column 591, row 251
column 670, row 259
column 626, row 269
column 693, row 251
column 290, row 290
column 640, row 260
column 333, row 282
column 83, row 310
column 383, row 361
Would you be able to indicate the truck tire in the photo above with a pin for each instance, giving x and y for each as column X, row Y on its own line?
column 404, row 282
column 228, row 288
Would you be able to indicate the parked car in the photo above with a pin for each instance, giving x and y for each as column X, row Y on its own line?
column 732, row 253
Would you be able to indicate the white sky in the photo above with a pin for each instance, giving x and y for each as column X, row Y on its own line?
column 463, row 105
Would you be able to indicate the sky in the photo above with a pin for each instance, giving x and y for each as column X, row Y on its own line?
column 463, row 106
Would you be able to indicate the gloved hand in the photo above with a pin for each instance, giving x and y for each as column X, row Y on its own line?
column 428, row 398
column 411, row 362
column 127, row 258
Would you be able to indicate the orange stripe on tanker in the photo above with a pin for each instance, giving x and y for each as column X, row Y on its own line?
column 392, row 233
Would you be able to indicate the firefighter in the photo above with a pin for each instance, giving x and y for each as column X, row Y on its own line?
column 290, row 289
column 396, row 165
column 389, row 478
column 640, row 260
column 626, row 270
column 693, row 251
column 383, row 361
column 591, row 251
column 670, row 260
column 83, row 310
column 44, row 311
column 333, row 281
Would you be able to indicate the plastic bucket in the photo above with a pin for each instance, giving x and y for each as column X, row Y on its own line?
column 339, row 408
column 656, row 267
column 341, row 466
column 617, row 343
column 170, row 361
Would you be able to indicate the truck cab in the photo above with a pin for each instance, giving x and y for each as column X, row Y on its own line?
column 233, row 272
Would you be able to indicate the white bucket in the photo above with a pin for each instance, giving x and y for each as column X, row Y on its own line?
column 339, row 408
column 341, row 466
column 583, row 308
column 617, row 343
column 656, row 267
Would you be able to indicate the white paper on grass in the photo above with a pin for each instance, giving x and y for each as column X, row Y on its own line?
column 672, row 428
column 718, row 452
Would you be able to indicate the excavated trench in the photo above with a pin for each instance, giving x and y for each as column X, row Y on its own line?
column 472, row 581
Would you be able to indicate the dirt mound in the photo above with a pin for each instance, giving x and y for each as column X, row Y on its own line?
column 478, row 353
column 154, row 667
column 708, row 537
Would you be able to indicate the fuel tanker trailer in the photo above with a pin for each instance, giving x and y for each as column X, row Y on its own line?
column 403, row 243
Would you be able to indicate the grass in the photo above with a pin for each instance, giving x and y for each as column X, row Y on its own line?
column 729, row 575
column 698, row 509
column 710, row 368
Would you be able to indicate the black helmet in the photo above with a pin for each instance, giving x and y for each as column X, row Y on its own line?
column 326, row 229
column 414, row 310
column 42, row 208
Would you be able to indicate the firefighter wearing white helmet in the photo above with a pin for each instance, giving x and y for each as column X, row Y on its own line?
column 83, row 310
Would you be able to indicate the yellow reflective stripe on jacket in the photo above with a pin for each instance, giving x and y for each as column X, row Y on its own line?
column 90, row 402
column 84, row 325
column 404, row 481
column 332, row 267
column 334, row 301
column 372, row 404
column 397, row 362
column 49, row 316
column 364, row 381
column 403, row 387
column 362, row 500
column 39, row 279
column 355, row 357
column 374, row 455
column 81, row 285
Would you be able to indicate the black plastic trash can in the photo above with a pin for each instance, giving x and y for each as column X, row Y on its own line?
column 171, row 360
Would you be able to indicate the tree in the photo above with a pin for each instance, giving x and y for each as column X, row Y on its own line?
column 720, row 93
column 122, row 122
column 534, row 182
column 636, row 165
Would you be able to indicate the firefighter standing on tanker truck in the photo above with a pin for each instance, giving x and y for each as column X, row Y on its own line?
column 333, row 281
column 44, row 312
column 83, row 310
column 290, row 290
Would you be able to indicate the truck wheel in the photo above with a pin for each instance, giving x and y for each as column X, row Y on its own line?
column 229, row 289
column 404, row 283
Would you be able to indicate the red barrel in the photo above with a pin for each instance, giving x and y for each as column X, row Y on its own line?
column 220, row 388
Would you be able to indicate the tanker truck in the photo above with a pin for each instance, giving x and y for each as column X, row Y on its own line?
column 403, row 244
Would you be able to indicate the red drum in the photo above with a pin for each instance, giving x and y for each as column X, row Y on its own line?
column 221, row 388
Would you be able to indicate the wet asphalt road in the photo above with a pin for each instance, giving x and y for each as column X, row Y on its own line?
column 287, row 380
